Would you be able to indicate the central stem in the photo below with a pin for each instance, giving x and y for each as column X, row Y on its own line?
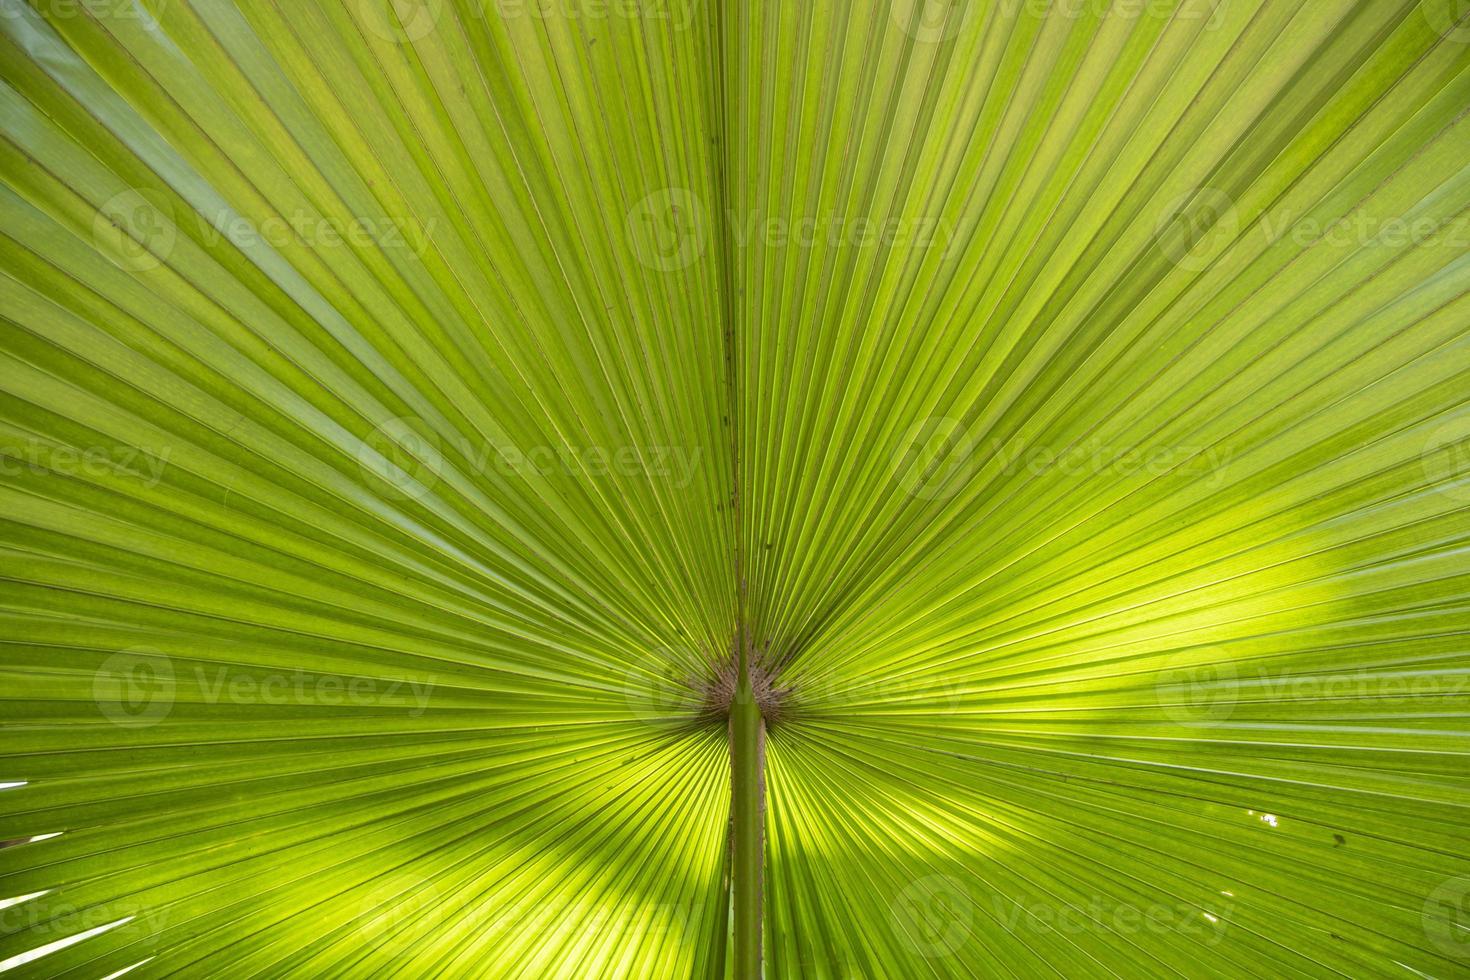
column 747, row 765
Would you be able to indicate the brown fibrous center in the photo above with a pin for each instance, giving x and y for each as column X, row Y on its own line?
column 719, row 691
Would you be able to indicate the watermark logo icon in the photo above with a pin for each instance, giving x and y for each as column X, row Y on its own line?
column 404, row 453
column 1197, row 687
column 135, row 688
column 931, row 21
column 658, row 691
column 135, row 230
column 1196, row 227
column 99, row 10
column 1446, row 458
column 391, row 909
column 401, row 21
column 935, row 458
column 1450, row 19
column 667, row 229
column 934, row 915
column 1446, row 918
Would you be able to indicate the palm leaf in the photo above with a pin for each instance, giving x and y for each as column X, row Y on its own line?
column 419, row 418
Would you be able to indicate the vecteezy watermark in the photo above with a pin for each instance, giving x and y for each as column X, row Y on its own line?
column 243, row 685
column 50, row 913
column 403, row 452
column 1196, row 226
column 938, row 21
column 934, row 915
column 660, row 688
column 410, row 457
column 135, row 688
column 938, row 456
column 1362, row 685
column 935, row 458
column 1201, row 687
column 406, row 21
column 400, row 21
column 668, row 229
column 138, row 229
column 1445, row 458
column 1449, row 19
column 135, row 229
column 677, row 14
column 59, row 10
column 91, row 462
column 1197, row 686
column 139, row 687
column 1206, row 925
column 1360, row 229
column 401, row 906
column 832, row 230
column 932, row 21
column 312, row 230
column 409, row 907
column 883, row 693
column 1446, row 918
